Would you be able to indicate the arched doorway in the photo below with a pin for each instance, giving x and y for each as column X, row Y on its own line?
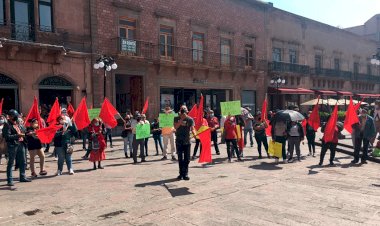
column 52, row 87
column 9, row 91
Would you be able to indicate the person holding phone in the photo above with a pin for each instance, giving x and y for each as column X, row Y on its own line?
column 183, row 124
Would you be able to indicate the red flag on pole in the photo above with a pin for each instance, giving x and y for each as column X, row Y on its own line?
column 47, row 134
column 193, row 112
column 54, row 112
column 199, row 118
column 351, row 116
column 314, row 119
column 107, row 113
column 80, row 117
column 34, row 113
column 331, row 125
column 70, row 110
column 264, row 116
column 205, row 138
column 146, row 105
column 1, row 106
column 357, row 106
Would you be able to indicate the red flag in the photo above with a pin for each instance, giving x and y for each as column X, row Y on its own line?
column 107, row 113
column 357, row 106
column 205, row 138
column 314, row 119
column 70, row 110
column 54, row 112
column 264, row 116
column 331, row 125
column 146, row 105
column 80, row 117
column 1, row 106
column 199, row 118
column 193, row 112
column 351, row 116
column 34, row 113
column 304, row 124
column 47, row 134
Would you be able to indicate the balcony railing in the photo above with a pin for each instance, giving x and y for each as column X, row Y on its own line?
column 366, row 77
column 331, row 73
column 288, row 67
column 182, row 55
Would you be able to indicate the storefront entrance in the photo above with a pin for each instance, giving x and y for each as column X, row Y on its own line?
column 129, row 93
column 9, row 91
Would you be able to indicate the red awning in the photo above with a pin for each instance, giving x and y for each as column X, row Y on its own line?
column 272, row 90
column 367, row 95
column 344, row 93
column 325, row 92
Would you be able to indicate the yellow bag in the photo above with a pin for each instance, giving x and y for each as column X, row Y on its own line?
column 275, row 149
column 238, row 132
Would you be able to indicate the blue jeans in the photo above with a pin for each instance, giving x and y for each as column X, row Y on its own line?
column 246, row 131
column 63, row 156
column 128, row 142
column 84, row 138
column 16, row 152
column 158, row 141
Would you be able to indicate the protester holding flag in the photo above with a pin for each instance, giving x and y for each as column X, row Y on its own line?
column 98, row 144
column 231, row 137
column 261, row 138
column 331, row 144
column 365, row 131
column 183, row 125
column 35, row 147
column 168, row 135
column 15, row 138
column 198, row 141
column 62, row 142
column 137, row 142
column 213, row 123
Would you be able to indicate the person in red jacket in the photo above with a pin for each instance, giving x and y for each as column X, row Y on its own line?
column 231, row 137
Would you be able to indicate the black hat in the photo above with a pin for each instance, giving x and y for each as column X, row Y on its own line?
column 13, row 113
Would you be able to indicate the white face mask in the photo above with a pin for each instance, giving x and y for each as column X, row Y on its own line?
column 97, row 124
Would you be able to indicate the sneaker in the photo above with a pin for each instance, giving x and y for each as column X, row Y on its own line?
column 71, row 172
column 309, row 154
column 174, row 158
column 25, row 180
column 229, row 161
column 290, row 160
column 55, row 159
column 354, row 161
column 179, row 177
column 59, row 173
column 320, row 164
column 186, row 178
column 314, row 155
column 10, row 184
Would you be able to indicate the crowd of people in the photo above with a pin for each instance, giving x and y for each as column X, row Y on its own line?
column 236, row 132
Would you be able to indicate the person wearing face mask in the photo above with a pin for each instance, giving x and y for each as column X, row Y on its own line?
column 137, row 142
column 14, row 135
column 213, row 123
column 365, row 131
column 3, row 143
column 127, row 136
column 231, row 137
column 98, row 144
column 35, row 147
column 62, row 140
column 260, row 135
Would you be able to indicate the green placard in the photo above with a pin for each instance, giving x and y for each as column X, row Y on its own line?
column 166, row 120
column 231, row 107
column 142, row 131
column 93, row 113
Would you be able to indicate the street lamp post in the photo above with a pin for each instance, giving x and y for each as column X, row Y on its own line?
column 106, row 63
column 278, row 81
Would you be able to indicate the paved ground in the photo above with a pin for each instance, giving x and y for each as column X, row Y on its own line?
column 255, row 192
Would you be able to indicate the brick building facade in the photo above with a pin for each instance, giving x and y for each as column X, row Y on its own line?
column 172, row 51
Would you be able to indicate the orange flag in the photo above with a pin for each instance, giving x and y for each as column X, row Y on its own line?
column 146, row 105
column 264, row 116
column 34, row 113
column 70, row 110
column 331, row 125
column 80, row 117
column 107, row 113
column 1, row 106
column 205, row 138
column 199, row 118
column 47, row 134
column 54, row 112
column 314, row 119
column 351, row 116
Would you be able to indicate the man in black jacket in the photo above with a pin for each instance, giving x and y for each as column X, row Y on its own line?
column 15, row 138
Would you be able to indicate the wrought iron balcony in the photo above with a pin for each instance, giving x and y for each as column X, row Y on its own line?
column 366, row 77
column 288, row 67
column 331, row 73
column 181, row 55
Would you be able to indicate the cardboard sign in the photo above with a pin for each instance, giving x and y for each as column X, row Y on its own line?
column 166, row 120
column 231, row 108
column 142, row 131
column 93, row 113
